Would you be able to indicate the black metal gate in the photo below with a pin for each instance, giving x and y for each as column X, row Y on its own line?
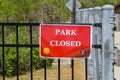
column 17, row 45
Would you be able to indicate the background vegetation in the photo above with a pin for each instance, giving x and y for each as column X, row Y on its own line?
column 92, row 3
column 42, row 10
column 33, row 11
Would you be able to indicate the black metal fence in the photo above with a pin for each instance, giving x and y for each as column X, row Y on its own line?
column 31, row 45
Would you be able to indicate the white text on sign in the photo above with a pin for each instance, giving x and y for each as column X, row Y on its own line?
column 65, row 32
column 63, row 42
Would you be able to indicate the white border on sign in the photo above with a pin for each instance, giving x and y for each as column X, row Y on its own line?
column 65, row 24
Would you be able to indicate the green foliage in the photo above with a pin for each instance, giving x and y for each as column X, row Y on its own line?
column 7, row 8
column 24, row 10
column 33, row 11
column 53, row 11
column 42, row 10
column 93, row 3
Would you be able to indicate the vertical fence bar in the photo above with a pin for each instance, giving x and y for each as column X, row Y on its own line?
column 31, row 70
column 95, row 53
column 72, row 65
column 77, row 16
column 17, row 55
column 98, row 19
column 45, row 70
column 73, row 21
column 96, row 63
column 58, row 69
column 3, row 53
column 85, row 16
column 86, row 69
column 91, row 58
column 81, row 16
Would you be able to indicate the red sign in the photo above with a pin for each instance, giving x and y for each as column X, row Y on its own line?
column 65, row 40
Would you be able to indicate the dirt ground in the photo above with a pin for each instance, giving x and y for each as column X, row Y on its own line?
column 52, row 74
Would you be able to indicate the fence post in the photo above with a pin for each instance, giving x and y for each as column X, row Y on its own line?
column 97, row 40
column 81, row 15
column 90, row 15
column 85, row 16
column 90, row 59
column 77, row 16
column 107, row 43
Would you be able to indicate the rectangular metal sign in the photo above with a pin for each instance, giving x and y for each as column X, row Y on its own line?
column 65, row 40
